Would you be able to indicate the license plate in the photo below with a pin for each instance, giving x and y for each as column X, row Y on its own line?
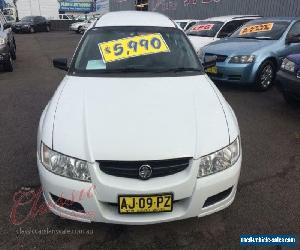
column 134, row 204
column 212, row 70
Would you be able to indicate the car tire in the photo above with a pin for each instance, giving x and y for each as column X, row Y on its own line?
column 265, row 76
column 13, row 52
column 79, row 30
column 8, row 66
column 32, row 30
column 47, row 28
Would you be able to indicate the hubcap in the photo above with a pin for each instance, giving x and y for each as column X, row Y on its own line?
column 266, row 76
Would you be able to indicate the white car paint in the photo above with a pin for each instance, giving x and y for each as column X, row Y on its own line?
column 199, row 42
column 75, row 26
column 133, row 119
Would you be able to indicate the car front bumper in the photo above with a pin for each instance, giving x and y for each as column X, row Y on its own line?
column 289, row 83
column 72, row 28
column 21, row 29
column 192, row 197
column 234, row 73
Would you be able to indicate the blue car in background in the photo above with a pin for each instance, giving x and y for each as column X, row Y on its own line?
column 253, row 54
column 289, row 78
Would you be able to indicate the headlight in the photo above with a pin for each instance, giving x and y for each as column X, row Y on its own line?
column 242, row 59
column 2, row 41
column 219, row 160
column 288, row 65
column 64, row 165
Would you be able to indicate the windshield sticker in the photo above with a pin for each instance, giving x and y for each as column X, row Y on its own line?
column 257, row 28
column 133, row 47
column 95, row 64
column 202, row 27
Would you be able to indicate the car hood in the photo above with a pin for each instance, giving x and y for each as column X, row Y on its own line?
column 198, row 41
column 139, row 118
column 78, row 24
column 237, row 46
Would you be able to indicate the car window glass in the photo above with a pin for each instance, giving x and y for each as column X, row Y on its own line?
column 173, row 51
column 182, row 24
column 190, row 25
column 262, row 29
column 230, row 28
column 295, row 30
column 205, row 28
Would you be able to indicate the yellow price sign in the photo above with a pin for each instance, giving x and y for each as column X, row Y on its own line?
column 257, row 28
column 134, row 46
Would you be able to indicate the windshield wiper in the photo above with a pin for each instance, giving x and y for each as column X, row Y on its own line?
column 193, row 34
column 256, row 37
column 264, row 38
column 125, row 70
column 246, row 37
column 177, row 70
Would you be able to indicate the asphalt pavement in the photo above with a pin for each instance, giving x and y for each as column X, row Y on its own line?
column 268, row 197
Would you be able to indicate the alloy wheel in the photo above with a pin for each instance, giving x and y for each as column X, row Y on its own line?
column 266, row 76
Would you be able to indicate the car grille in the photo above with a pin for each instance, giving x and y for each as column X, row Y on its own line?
column 220, row 58
column 130, row 169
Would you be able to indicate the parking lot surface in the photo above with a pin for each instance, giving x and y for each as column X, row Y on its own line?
column 267, row 200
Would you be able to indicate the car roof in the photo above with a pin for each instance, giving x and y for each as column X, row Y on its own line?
column 186, row 20
column 232, row 17
column 134, row 18
column 289, row 19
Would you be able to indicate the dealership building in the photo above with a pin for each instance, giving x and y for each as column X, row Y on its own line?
column 199, row 9
column 176, row 9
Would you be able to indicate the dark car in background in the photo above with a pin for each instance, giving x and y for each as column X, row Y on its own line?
column 32, row 24
column 7, row 45
column 289, row 78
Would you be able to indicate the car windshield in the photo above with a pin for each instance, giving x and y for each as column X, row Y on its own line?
column 205, row 28
column 9, row 18
column 264, row 30
column 182, row 24
column 27, row 19
column 123, row 50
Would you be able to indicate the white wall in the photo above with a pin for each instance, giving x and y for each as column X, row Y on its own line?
column 46, row 8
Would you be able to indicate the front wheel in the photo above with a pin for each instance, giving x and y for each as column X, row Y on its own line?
column 265, row 76
column 8, row 66
column 79, row 30
column 13, row 52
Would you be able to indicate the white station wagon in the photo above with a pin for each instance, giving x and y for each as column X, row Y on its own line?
column 213, row 29
column 137, row 133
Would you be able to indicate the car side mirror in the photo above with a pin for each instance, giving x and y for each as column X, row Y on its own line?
column 61, row 63
column 293, row 39
column 6, row 26
column 209, row 62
